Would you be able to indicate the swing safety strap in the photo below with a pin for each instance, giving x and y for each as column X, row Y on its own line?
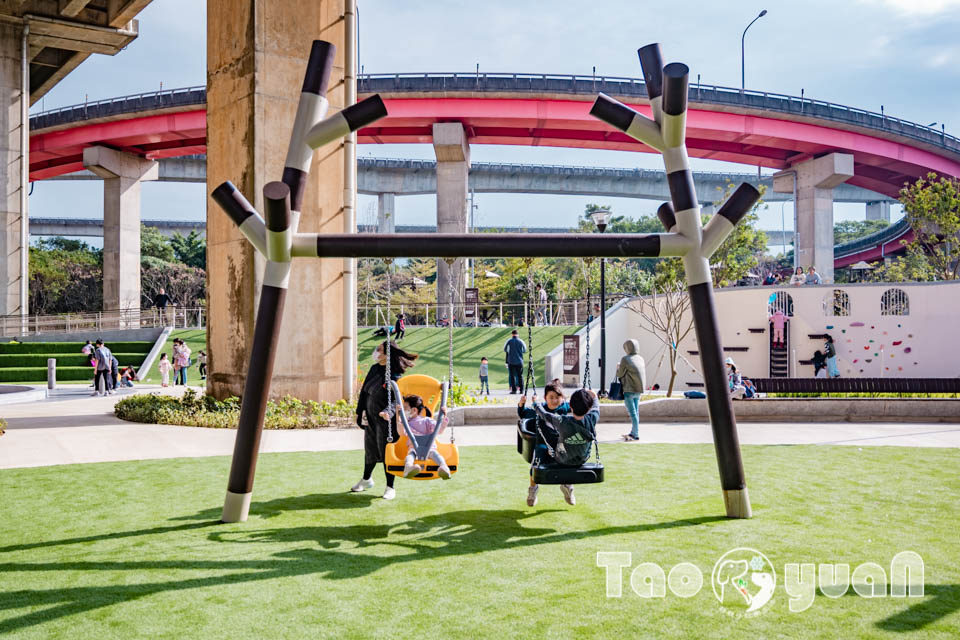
column 422, row 443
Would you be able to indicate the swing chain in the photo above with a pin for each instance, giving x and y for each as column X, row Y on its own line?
column 585, row 382
column 450, row 292
column 386, row 375
column 530, row 311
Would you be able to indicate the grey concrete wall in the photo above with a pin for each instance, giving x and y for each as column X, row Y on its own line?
column 11, row 244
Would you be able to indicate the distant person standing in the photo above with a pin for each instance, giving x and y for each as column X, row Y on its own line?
column 182, row 362
column 102, row 377
column 515, row 348
column 400, row 328
column 543, row 317
column 164, row 366
column 484, row 376
column 202, row 364
column 160, row 301
column 812, row 276
column 632, row 373
column 830, row 353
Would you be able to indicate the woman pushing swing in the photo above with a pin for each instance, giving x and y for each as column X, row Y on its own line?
column 374, row 401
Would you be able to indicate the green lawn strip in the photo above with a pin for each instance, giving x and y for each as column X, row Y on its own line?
column 133, row 549
column 196, row 339
column 469, row 345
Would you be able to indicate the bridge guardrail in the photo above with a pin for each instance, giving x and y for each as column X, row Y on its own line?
column 533, row 82
column 894, row 231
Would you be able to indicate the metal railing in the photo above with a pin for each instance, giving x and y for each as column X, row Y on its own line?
column 529, row 83
column 177, row 317
column 889, row 234
column 506, row 314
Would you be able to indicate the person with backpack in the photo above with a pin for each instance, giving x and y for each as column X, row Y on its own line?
column 632, row 374
column 103, row 365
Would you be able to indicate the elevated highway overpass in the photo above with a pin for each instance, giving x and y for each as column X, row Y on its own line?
column 748, row 127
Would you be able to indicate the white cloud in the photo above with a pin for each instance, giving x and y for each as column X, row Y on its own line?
column 917, row 7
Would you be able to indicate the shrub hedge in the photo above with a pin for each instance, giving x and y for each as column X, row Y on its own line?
column 196, row 410
column 64, row 360
column 39, row 374
column 71, row 347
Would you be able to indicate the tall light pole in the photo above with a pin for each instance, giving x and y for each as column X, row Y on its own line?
column 599, row 217
column 743, row 68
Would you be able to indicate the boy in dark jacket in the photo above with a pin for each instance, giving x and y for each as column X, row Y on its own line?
column 569, row 438
column 554, row 404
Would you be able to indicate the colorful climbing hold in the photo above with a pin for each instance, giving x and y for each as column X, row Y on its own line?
column 856, row 324
column 829, row 326
column 907, row 350
column 897, row 343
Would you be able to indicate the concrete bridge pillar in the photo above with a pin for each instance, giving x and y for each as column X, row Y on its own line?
column 12, row 243
column 453, row 168
column 815, row 180
column 257, row 53
column 387, row 213
column 122, row 174
column 878, row 210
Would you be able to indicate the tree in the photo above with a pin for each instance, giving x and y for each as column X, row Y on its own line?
column 734, row 259
column 666, row 315
column 154, row 244
column 932, row 208
column 850, row 230
column 913, row 266
column 66, row 276
column 191, row 249
column 186, row 286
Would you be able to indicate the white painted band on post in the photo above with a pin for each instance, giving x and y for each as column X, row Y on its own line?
column 278, row 245
column 304, row 245
column 256, row 232
column 656, row 106
column 715, row 232
column 697, row 269
column 311, row 110
column 688, row 224
column 236, row 507
column 277, row 274
column 646, row 131
column 674, row 244
column 674, row 129
column 675, row 159
column 737, row 502
column 333, row 128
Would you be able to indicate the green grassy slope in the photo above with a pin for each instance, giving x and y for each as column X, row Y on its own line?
column 469, row 345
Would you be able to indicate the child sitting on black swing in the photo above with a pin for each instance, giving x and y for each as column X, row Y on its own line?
column 421, row 425
column 555, row 403
column 569, row 438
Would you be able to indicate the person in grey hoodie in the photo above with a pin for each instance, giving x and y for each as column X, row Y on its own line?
column 632, row 373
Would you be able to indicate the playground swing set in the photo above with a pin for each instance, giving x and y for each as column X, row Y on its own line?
column 276, row 236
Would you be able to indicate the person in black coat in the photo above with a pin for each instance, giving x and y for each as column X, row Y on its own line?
column 372, row 401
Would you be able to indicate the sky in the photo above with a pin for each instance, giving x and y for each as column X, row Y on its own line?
column 902, row 54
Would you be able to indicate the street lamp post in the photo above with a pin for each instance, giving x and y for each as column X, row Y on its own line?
column 599, row 217
column 743, row 68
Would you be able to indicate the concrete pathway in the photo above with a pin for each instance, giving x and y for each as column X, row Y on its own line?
column 72, row 427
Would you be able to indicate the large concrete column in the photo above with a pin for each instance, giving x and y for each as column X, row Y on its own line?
column 387, row 213
column 122, row 174
column 815, row 180
column 12, row 244
column 878, row 210
column 256, row 56
column 453, row 168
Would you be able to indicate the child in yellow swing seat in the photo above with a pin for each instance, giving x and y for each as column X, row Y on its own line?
column 422, row 425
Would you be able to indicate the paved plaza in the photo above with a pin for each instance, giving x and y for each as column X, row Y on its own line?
column 72, row 427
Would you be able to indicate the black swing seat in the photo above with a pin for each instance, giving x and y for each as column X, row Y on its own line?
column 550, row 472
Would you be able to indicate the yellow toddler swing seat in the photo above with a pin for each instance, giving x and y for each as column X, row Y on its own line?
column 433, row 393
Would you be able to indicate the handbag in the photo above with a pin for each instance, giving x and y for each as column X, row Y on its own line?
column 616, row 390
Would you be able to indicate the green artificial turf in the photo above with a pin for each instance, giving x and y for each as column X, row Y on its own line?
column 133, row 549
column 196, row 339
column 469, row 345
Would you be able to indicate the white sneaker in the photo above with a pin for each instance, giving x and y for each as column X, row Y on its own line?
column 532, row 495
column 444, row 472
column 568, row 493
column 95, row 393
column 411, row 470
column 389, row 493
column 111, row 392
column 363, row 485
